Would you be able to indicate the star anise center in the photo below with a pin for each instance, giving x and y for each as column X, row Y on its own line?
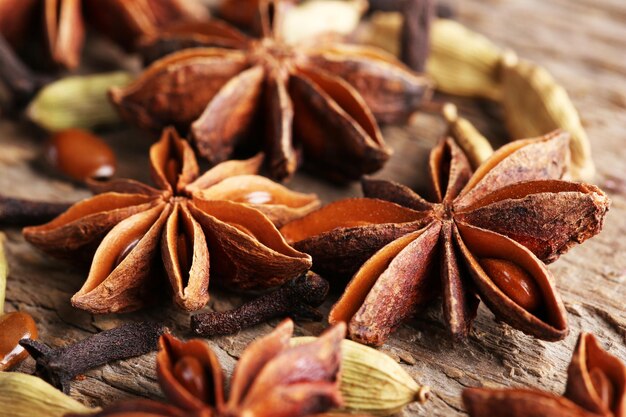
column 272, row 53
column 443, row 211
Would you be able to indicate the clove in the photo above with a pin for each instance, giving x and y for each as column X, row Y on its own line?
column 59, row 366
column 17, row 211
column 297, row 298
column 20, row 80
column 415, row 36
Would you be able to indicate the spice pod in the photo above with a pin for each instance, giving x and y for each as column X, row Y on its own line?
column 78, row 101
column 24, row 395
column 463, row 62
column 372, row 382
column 535, row 104
column 474, row 144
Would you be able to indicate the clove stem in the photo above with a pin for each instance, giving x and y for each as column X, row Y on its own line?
column 17, row 211
column 21, row 81
column 59, row 366
column 298, row 297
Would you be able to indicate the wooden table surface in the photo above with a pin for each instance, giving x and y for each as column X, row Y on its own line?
column 583, row 44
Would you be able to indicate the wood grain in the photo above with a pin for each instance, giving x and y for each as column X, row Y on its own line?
column 582, row 42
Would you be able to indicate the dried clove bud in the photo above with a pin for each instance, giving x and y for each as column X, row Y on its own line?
column 17, row 211
column 20, row 80
column 415, row 35
column 298, row 297
column 59, row 366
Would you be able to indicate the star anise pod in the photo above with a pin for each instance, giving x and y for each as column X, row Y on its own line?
column 483, row 234
column 596, row 386
column 262, row 93
column 64, row 21
column 270, row 379
column 220, row 221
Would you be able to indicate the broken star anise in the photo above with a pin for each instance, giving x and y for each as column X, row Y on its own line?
column 483, row 234
column 264, row 94
column 125, row 21
column 596, row 386
column 219, row 222
column 271, row 379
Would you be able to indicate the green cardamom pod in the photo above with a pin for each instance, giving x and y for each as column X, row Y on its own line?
column 79, row 101
column 372, row 382
column 23, row 395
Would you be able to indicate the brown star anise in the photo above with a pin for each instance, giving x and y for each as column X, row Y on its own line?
column 63, row 21
column 484, row 234
column 271, row 379
column 596, row 386
column 220, row 221
column 263, row 93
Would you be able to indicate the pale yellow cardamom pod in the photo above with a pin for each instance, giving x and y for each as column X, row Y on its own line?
column 474, row 144
column 535, row 104
column 23, row 395
column 463, row 62
column 372, row 382
column 79, row 101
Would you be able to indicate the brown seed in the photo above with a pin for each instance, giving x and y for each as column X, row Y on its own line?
column 516, row 283
column 190, row 373
column 80, row 155
column 123, row 254
column 13, row 328
column 603, row 386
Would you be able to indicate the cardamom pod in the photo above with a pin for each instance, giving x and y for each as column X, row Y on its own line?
column 463, row 62
column 535, row 104
column 23, row 395
column 4, row 271
column 79, row 101
column 372, row 382
column 475, row 145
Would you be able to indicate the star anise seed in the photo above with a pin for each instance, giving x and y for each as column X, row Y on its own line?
column 221, row 221
column 484, row 234
column 262, row 93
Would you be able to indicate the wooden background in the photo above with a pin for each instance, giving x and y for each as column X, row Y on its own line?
column 582, row 42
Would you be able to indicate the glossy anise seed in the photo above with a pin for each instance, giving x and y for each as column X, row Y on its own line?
column 126, row 251
column 13, row 328
column 80, row 155
column 603, row 386
column 190, row 373
column 514, row 282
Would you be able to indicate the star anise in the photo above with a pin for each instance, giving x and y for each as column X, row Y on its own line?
column 63, row 21
column 262, row 93
column 483, row 234
column 271, row 379
column 220, row 221
column 596, row 386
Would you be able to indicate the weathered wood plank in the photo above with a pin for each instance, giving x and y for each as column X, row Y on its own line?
column 582, row 42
